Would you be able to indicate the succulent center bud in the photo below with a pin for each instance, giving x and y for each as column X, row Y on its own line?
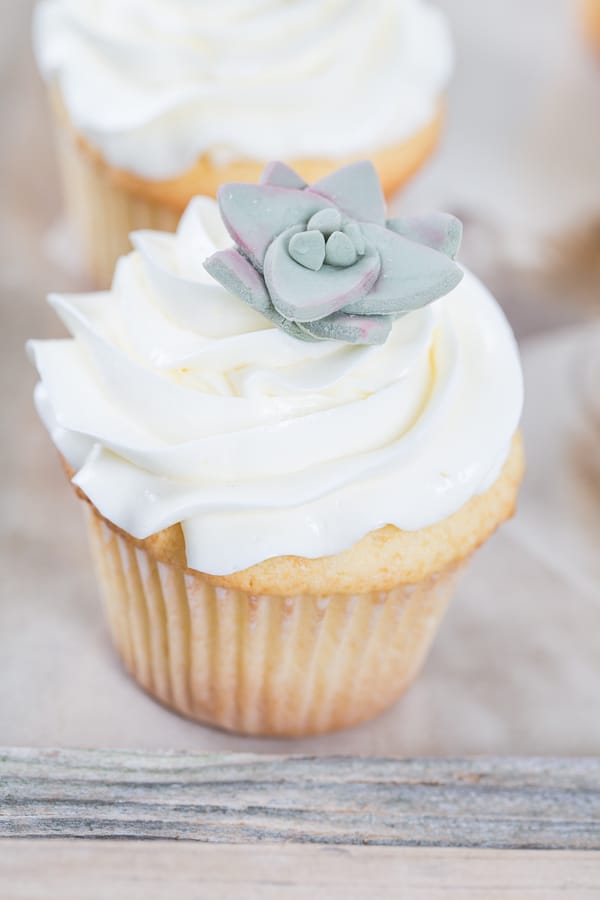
column 327, row 241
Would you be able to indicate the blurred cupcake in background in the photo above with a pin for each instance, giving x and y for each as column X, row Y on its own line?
column 157, row 101
column 591, row 9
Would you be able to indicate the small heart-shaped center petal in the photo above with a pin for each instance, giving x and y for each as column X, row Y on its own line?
column 326, row 220
column 308, row 249
column 339, row 250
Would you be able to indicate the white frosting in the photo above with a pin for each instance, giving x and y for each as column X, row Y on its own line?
column 175, row 402
column 154, row 84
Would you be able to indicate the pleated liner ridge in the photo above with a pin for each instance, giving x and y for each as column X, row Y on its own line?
column 262, row 665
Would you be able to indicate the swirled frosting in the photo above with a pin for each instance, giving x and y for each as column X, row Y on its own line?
column 175, row 401
column 154, row 84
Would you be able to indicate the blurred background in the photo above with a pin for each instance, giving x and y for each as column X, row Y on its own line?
column 516, row 668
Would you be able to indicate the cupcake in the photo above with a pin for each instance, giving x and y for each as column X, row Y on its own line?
column 286, row 448
column 156, row 102
column 591, row 12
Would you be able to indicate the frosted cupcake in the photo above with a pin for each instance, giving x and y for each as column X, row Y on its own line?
column 591, row 12
column 161, row 100
column 286, row 448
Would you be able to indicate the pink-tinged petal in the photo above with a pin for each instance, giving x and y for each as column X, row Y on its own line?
column 356, row 190
column 438, row 230
column 239, row 277
column 254, row 214
column 277, row 174
column 304, row 295
column 351, row 329
column 411, row 275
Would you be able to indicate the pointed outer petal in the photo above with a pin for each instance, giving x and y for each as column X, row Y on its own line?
column 412, row 275
column 239, row 277
column 236, row 274
column 196, row 303
column 351, row 329
column 256, row 214
column 303, row 295
column 357, row 191
column 277, row 174
column 438, row 230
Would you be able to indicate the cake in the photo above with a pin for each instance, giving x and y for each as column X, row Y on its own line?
column 289, row 425
column 158, row 102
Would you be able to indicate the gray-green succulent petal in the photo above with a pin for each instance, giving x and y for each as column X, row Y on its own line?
column 302, row 295
column 356, row 190
column 411, row 276
column 351, row 329
column 255, row 214
column 239, row 277
column 321, row 262
column 438, row 230
column 278, row 174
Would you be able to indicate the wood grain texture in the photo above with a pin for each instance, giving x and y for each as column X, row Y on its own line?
column 138, row 870
column 496, row 803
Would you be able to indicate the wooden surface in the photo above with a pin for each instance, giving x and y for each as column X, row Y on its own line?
column 236, row 798
column 139, row 870
column 267, row 828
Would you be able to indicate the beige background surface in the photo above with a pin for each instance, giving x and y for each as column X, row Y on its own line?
column 516, row 668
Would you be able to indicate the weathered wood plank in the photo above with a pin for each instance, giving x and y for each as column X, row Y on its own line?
column 138, row 870
column 230, row 798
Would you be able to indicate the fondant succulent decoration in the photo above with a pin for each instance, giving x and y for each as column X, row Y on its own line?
column 323, row 263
